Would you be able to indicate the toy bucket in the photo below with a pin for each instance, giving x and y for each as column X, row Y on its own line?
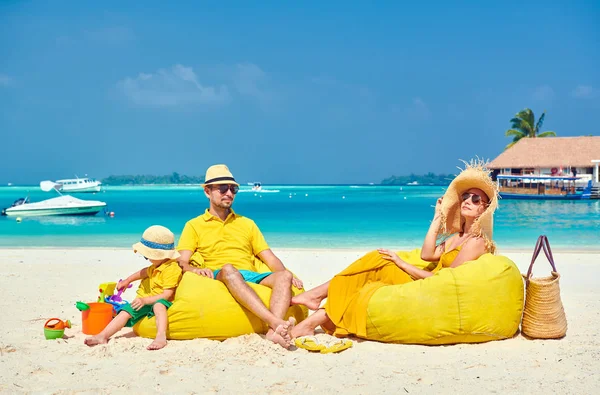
column 96, row 317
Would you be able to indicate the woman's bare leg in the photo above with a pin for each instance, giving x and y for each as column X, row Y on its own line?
column 313, row 298
column 308, row 326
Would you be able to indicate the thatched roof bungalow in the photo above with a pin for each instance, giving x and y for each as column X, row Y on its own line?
column 551, row 156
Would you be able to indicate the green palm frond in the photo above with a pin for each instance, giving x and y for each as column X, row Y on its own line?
column 515, row 132
column 540, row 122
column 547, row 134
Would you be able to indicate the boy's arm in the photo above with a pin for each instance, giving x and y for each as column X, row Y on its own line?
column 134, row 277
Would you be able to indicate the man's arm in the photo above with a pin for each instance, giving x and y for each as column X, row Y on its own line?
column 184, row 263
column 275, row 264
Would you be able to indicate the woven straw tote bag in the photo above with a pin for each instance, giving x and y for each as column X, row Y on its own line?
column 544, row 315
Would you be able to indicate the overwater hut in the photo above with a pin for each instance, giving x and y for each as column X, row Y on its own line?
column 552, row 156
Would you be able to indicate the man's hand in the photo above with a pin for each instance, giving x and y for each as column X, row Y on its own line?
column 204, row 272
column 296, row 282
column 138, row 303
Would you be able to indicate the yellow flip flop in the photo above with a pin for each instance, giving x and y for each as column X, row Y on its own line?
column 337, row 346
column 309, row 343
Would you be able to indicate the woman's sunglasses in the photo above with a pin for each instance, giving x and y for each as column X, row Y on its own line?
column 475, row 198
column 223, row 188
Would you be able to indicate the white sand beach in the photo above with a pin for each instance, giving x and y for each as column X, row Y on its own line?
column 39, row 284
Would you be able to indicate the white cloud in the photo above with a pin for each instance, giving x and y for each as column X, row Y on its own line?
column 177, row 86
column 5, row 80
column 250, row 80
column 543, row 92
column 584, row 92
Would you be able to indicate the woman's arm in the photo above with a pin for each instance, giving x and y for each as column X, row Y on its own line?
column 405, row 266
column 430, row 252
column 471, row 250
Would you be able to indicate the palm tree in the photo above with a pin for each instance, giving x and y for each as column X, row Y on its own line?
column 522, row 126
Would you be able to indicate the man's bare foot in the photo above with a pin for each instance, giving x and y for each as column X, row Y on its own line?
column 159, row 342
column 280, row 335
column 95, row 340
column 308, row 300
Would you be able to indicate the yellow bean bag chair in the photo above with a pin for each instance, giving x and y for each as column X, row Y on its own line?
column 204, row 308
column 476, row 302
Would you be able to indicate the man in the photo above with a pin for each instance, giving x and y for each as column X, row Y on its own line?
column 223, row 245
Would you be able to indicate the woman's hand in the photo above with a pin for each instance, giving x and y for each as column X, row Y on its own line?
column 438, row 208
column 389, row 255
column 204, row 273
column 138, row 303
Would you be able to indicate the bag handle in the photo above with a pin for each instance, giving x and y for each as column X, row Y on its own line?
column 542, row 243
column 548, row 252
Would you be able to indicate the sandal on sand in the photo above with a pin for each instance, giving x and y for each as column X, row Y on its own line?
column 309, row 343
column 337, row 346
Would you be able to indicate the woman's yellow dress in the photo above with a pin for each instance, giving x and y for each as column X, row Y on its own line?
column 351, row 289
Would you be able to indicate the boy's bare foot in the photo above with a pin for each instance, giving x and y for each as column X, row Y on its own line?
column 159, row 342
column 95, row 340
column 307, row 300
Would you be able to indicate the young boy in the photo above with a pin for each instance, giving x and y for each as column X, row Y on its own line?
column 156, row 290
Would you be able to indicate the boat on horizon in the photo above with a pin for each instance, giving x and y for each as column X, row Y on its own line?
column 61, row 205
column 78, row 185
column 532, row 187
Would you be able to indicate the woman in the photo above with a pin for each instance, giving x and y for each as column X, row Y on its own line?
column 463, row 219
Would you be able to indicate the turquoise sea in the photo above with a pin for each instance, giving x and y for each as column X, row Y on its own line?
column 300, row 216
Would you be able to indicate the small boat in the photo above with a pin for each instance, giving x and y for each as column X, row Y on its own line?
column 61, row 205
column 78, row 185
column 413, row 183
column 531, row 187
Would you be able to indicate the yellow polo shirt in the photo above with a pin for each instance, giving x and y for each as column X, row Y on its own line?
column 165, row 276
column 214, row 242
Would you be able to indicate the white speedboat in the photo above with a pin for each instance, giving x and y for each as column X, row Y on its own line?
column 61, row 205
column 76, row 185
column 257, row 187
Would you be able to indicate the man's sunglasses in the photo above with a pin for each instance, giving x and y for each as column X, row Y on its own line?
column 223, row 188
column 475, row 198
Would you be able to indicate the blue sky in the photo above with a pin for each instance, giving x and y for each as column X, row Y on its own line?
column 285, row 92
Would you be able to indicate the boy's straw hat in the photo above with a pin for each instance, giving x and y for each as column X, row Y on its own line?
column 475, row 175
column 157, row 243
column 218, row 174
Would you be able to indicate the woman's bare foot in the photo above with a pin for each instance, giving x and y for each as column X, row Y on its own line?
column 95, row 340
column 307, row 299
column 159, row 342
column 307, row 327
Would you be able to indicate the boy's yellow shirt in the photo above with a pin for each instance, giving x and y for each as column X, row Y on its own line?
column 164, row 276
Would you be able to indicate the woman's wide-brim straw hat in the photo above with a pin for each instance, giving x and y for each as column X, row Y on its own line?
column 157, row 242
column 218, row 174
column 474, row 175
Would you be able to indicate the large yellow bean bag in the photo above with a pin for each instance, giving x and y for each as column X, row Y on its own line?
column 204, row 308
column 476, row 302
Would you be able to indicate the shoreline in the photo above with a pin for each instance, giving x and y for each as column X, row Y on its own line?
column 365, row 249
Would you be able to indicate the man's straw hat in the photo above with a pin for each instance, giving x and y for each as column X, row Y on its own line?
column 218, row 174
column 475, row 175
column 157, row 243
